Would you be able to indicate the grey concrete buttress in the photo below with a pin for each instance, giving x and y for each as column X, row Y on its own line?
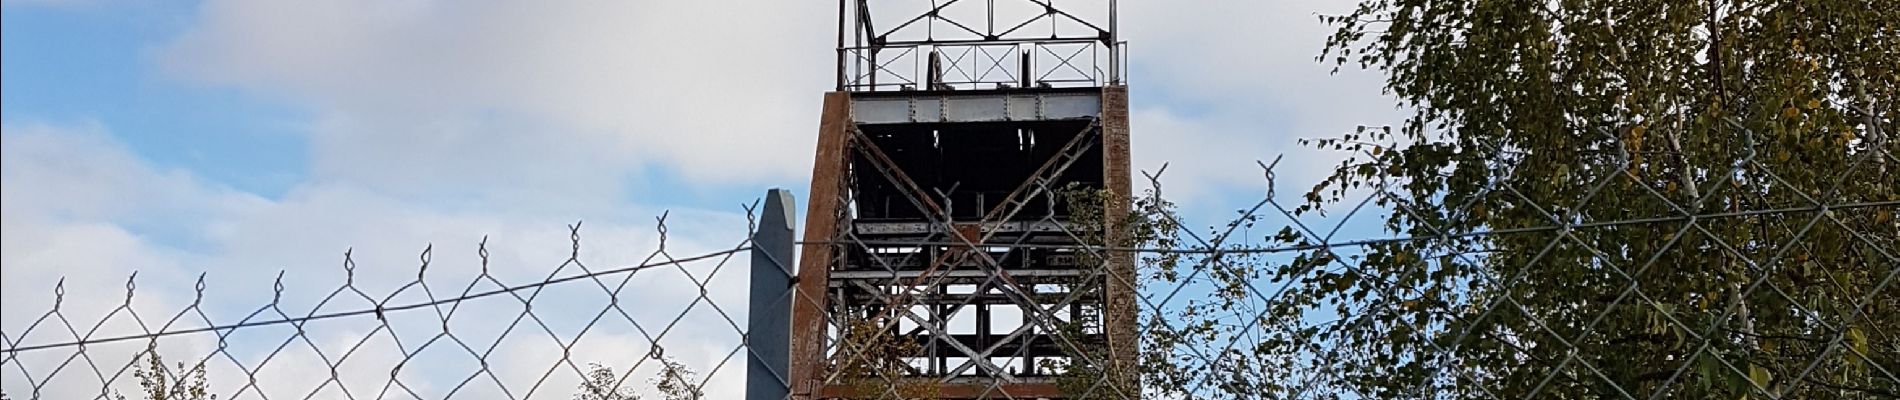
column 768, row 326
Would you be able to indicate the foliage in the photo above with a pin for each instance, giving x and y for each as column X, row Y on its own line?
column 674, row 381
column 677, row 382
column 1084, row 380
column 161, row 383
column 875, row 365
column 602, row 384
column 1151, row 223
column 1578, row 114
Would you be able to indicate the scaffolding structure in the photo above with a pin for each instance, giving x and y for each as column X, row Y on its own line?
column 941, row 153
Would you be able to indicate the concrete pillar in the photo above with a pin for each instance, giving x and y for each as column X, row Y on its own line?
column 768, row 323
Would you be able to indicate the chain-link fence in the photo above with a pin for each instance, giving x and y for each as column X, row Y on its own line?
column 467, row 335
column 1349, row 291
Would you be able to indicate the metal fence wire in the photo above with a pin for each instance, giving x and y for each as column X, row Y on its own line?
column 1291, row 297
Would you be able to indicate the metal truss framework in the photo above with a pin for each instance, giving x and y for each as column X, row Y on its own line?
column 955, row 121
column 934, row 228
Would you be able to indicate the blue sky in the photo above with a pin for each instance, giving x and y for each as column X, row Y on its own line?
column 245, row 137
column 74, row 65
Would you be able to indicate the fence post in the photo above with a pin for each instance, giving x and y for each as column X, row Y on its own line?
column 768, row 322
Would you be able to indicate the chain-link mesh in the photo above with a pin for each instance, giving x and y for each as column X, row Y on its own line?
column 1705, row 298
column 571, row 334
column 1285, row 299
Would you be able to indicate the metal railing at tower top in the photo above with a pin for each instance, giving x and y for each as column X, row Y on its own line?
column 977, row 45
column 983, row 66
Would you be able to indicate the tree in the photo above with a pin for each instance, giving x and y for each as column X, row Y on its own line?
column 602, row 384
column 875, row 366
column 161, row 383
column 1089, row 371
column 1652, row 174
column 676, row 381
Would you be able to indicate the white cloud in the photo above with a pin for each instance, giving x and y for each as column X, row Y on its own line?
column 571, row 96
column 722, row 91
column 97, row 178
column 75, row 205
column 70, row 195
column 1238, row 82
column 61, row 183
column 438, row 122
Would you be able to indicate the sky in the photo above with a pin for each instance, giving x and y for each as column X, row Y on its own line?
column 243, row 138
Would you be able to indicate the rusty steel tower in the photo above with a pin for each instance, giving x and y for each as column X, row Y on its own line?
column 939, row 261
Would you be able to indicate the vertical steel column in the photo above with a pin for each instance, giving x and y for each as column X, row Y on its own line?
column 768, row 322
column 822, row 213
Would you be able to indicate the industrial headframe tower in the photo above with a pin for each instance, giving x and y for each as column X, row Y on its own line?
column 942, row 259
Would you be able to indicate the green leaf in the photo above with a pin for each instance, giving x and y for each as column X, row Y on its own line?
column 1760, row 376
column 1856, row 340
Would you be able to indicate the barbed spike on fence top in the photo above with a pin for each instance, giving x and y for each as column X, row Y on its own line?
column 751, row 215
column 131, row 285
column 1154, row 178
column 660, row 221
column 199, row 289
column 1267, row 171
column 574, row 239
column 427, row 253
column 349, row 267
column 660, row 226
column 277, row 288
column 481, row 250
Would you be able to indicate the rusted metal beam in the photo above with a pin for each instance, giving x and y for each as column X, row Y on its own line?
column 823, row 214
column 971, row 235
column 830, row 235
column 1022, row 390
column 1059, row 162
column 896, row 175
column 1070, row 151
column 1119, row 313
